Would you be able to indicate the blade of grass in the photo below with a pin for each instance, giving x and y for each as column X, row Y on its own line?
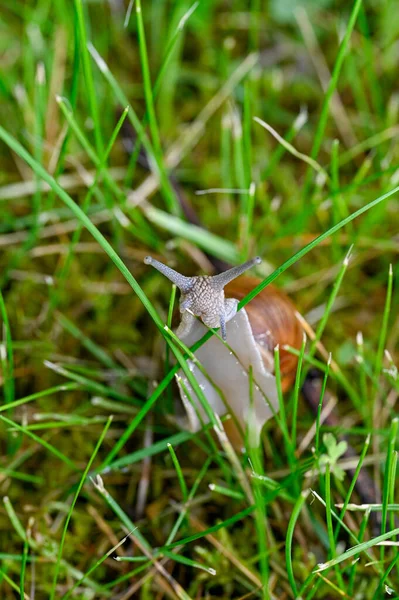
column 170, row 196
column 188, row 562
column 16, row 523
column 298, row 379
column 129, row 575
column 247, row 222
column 175, row 439
column 352, row 485
column 122, row 516
column 40, row 441
column 62, row 423
column 226, row 175
column 378, row 591
column 308, row 581
column 289, row 537
column 221, row 489
column 38, row 132
column 360, row 360
column 40, row 103
column 58, row 388
column 319, row 408
column 22, row 476
column 32, row 543
column 246, row 134
column 147, row 83
column 355, row 550
column 185, row 507
column 290, row 148
column 6, row 358
column 327, row 311
column 393, row 434
column 239, row 173
column 384, row 326
column 391, row 491
column 375, row 564
column 330, row 529
column 131, row 558
column 336, row 374
column 73, row 503
column 175, row 460
column 91, row 385
column 172, row 301
column 139, row 227
column 196, row 536
column 256, row 461
column 12, row 584
column 193, row 132
column 25, row 553
column 281, row 404
column 321, row 126
column 132, row 426
column 90, row 88
column 171, row 46
column 362, row 532
column 280, row 150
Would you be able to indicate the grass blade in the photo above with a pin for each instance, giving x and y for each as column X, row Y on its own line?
column 6, row 358
column 75, row 498
column 40, row 441
column 355, row 550
column 91, row 92
column 321, row 126
column 288, row 540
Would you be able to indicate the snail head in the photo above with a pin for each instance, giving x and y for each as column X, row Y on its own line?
column 203, row 296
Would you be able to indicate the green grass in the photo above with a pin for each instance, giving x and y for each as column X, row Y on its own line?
column 224, row 98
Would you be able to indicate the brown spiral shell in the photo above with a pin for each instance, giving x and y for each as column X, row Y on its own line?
column 273, row 321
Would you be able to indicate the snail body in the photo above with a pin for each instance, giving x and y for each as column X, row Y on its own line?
column 248, row 339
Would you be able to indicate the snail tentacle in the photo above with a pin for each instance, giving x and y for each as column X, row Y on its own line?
column 227, row 276
column 183, row 283
column 223, row 326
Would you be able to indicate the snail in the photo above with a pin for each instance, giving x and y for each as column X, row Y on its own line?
column 249, row 337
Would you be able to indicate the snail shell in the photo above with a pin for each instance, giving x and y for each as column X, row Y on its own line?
column 273, row 322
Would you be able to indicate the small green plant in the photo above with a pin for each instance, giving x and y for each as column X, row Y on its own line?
column 334, row 451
